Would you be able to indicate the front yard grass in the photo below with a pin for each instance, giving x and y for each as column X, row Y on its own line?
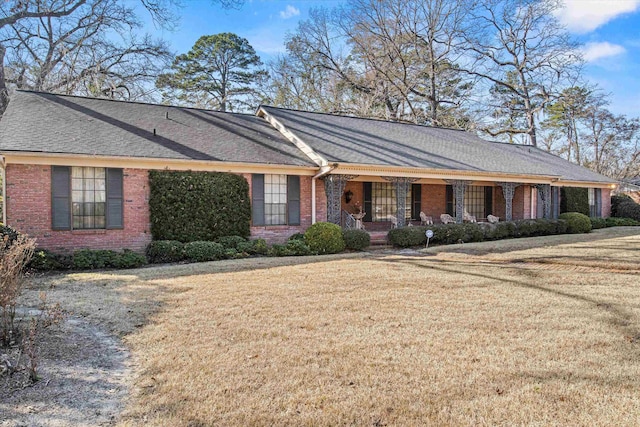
column 540, row 331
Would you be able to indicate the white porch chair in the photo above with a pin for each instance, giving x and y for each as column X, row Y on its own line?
column 468, row 218
column 425, row 220
column 447, row 219
column 394, row 221
column 492, row 219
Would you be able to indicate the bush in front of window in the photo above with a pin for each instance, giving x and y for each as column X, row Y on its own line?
column 324, row 238
column 44, row 260
column 202, row 251
column 356, row 240
column 198, row 206
column 574, row 199
column 576, row 222
column 231, row 242
column 164, row 251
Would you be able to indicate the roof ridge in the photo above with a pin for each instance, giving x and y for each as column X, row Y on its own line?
column 363, row 118
column 153, row 104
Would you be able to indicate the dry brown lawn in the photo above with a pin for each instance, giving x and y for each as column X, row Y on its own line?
column 542, row 331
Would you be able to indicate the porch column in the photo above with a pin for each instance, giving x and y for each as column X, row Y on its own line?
column 459, row 187
column 401, row 185
column 545, row 195
column 508, row 189
column 334, row 187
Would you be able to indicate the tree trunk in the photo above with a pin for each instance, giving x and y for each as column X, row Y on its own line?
column 4, row 93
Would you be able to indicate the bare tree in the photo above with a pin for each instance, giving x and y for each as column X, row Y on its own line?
column 519, row 48
column 80, row 54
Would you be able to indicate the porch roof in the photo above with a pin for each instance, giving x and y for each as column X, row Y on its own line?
column 340, row 139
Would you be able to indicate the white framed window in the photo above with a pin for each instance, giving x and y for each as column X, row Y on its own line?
column 88, row 197
column 275, row 199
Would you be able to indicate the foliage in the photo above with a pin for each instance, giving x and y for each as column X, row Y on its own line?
column 574, row 199
column 16, row 251
column 231, row 242
column 294, row 247
column 621, row 222
column 253, row 247
column 324, row 238
column 164, row 251
column 626, row 207
column 356, row 240
column 576, row 222
column 44, row 260
column 198, row 206
column 219, row 72
column 446, row 234
column 616, row 201
column 597, row 223
column 88, row 259
column 296, row 236
column 201, row 251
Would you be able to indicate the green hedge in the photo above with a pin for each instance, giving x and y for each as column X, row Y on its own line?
column 198, row 206
column 324, row 238
column 574, row 199
column 88, row 259
column 621, row 222
column 576, row 222
column 163, row 251
column 356, row 240
column 597, row 223
column 455, row 233
column 623, row 206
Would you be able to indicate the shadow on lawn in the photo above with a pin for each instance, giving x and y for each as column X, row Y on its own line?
column 621, row 319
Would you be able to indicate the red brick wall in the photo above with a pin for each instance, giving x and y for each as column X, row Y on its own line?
column 29, row 210
column 521, row 204
column 434, row 200
column 280, row 233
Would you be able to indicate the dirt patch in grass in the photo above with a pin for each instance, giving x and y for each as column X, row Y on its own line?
column 535, row 332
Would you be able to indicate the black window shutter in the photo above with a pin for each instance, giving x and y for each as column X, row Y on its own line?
column 293, row 200
column 598, row 197
column 257, row 199
column 449, row 201
column 114, row 199
column 488, row 201
column 416, row 201
column 367, row 190
column 61, row 198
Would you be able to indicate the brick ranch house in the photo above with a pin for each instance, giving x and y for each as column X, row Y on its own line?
column 76, row 169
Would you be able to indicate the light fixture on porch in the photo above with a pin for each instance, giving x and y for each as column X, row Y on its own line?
column 348, row 195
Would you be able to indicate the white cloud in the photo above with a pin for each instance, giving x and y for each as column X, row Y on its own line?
column 583, row 16
column 594, row 51
column 289, row 12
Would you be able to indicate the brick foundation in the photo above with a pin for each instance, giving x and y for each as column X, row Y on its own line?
column 29, row 210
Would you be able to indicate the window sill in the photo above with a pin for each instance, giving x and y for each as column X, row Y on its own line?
column 90, row 231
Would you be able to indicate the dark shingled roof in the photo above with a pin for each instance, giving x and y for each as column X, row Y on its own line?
column 376, row 142
column 42, row 122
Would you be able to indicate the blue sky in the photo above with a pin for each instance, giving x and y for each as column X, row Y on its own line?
column 609, row 29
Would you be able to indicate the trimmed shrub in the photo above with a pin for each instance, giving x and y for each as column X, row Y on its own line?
column 573, row 199
column 294, row 247
column 297, row 236
column 88, row 259
column 408, row 236
column 621, row 222
column 324, row 238
column 628, row 208
column 231, row 242
column 44, row 260
column 163, row 251
column 198, row 206
column 356, row 240
column 616, row 201
column 203, row 251
column 576, row 222
column 597, row 223
column 259, row 247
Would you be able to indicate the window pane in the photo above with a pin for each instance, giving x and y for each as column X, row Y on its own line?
column 275, row 199
column 88, row 194
column 383, row 200
column 474, row 201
